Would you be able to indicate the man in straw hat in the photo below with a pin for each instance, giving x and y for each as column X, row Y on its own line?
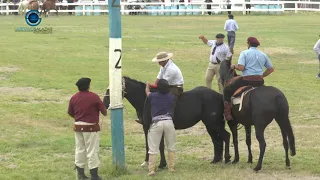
column 316, row 48
column 251, row 62
column 84, row 107
column 219, row 52
column 161, row 112
column 170, row 72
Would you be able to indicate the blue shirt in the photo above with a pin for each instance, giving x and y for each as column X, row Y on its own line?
column 161, row 104
column 254, row 61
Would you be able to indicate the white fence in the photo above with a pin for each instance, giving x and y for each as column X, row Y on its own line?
column 86, row 8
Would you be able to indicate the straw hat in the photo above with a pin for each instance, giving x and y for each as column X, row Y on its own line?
column 162, row 56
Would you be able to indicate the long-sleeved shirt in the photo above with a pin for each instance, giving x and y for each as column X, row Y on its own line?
column 231, row 25
column 85, row 106
column 316, row 47
column 222, row 52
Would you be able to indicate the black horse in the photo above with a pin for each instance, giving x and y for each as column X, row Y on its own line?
column 261, row 106
column 200, row 103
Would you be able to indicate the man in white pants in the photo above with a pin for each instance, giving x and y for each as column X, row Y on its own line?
column 85, row 107
column 161, row 113
column 316, row 48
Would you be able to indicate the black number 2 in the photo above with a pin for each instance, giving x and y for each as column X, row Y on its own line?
column 114, row 5
column 117, row 64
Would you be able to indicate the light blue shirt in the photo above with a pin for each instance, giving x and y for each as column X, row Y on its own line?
column 254, row 61
column 231, row 25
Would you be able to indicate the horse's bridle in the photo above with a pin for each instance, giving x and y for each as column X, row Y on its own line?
column 123, row 88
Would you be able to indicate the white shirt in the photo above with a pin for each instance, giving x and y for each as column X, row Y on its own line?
column 316, row 47
column 222, row 51
column 171, row 73
column 231, row 25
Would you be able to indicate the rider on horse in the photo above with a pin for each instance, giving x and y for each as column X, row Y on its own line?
column 251, row 62
column 170, row 72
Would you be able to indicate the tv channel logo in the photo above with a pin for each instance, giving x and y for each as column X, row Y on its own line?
column 33, row 18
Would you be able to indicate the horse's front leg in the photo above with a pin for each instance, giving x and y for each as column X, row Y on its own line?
column 248, row 142
column 233, row 127
column 145, row 130
column 163, row 162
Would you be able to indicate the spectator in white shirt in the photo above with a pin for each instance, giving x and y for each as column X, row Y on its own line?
column 316, row 48
column 219, row 52
column 231, row 27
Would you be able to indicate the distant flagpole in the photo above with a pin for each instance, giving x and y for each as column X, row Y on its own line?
column 115, row 81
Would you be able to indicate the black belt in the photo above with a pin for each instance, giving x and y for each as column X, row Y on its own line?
column 155, row 121
column 218, row 61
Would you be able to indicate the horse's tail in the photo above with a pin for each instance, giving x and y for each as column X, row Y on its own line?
column 284, row 122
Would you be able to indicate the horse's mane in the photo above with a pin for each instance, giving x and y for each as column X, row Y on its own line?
column 135, row 81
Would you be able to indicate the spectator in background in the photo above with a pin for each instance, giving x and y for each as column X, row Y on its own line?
column 316, row 48
column 248, row 6
column 208, row 6
column 70, row 7
column 229, row 6
column 231, row 26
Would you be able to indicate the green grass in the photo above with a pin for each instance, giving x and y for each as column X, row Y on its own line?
column 37, row 141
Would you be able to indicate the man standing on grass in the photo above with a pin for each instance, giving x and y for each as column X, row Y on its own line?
column 219, row 52
column 316, row 48
column 85, row 107
column 231, row 27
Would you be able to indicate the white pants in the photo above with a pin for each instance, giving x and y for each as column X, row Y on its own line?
column 155, row 134
column 87, row 149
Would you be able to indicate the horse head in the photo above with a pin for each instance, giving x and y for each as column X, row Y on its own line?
column 133, row 91
column 226, row 73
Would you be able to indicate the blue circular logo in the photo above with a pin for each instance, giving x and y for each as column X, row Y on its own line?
column 32, row 18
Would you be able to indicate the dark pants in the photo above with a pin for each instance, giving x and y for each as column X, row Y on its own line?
column 231, row 39
column 176, row 91
column 229, row 7
column 248, row 6
column 209, row 7
column 229, row 90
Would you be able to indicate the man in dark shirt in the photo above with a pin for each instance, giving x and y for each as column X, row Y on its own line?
column 85, row 107
column 161, row 113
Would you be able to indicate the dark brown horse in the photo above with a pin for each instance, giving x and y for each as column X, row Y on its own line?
column 47, row 6
column 33, row 5
column 259, row 107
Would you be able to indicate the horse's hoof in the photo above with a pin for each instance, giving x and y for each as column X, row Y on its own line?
column 145, row 164
column 288, row 167
column 162, row 166
column 249, row 162
column 227, row 161
column 257, row 169
column 216, row 160
column 235, row 162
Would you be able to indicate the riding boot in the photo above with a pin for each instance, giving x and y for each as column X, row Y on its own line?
column 227, row 111
column 94, row 174
column 152, row 158
column 80, row 174
column 171, row 162
column 231, row 50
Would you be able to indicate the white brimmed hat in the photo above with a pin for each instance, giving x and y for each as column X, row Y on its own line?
column 162, row 56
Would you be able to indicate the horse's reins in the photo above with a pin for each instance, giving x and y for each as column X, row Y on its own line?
column 229, row 77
